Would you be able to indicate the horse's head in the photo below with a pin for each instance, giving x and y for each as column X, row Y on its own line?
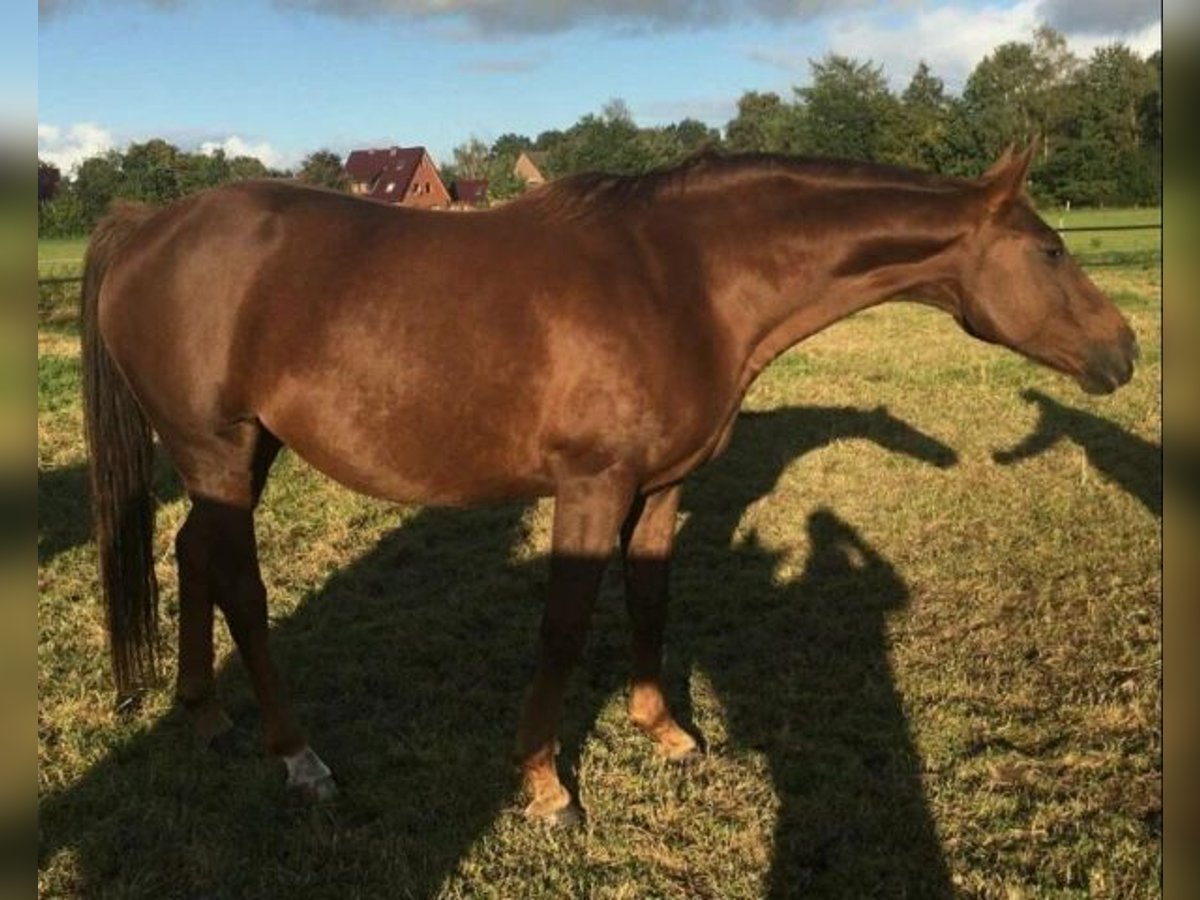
column 1018, row 286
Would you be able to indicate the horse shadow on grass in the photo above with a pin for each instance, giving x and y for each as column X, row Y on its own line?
column 64, row 516
column 409, row 667
column 1132, row 463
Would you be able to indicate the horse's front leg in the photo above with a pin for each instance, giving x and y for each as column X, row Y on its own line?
column 587, row 517
column 647, row 539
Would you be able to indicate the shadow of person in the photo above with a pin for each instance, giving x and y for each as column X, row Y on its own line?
column 801, row 667
column 409, row 667
column 1133, row 464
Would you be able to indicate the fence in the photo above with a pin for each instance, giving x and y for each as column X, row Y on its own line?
column 1099, row 252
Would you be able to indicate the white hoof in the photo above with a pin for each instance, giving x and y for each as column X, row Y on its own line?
column 308, row 774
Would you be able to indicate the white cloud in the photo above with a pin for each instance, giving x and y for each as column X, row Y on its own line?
column 67, row 147
column 237, row 146
column 1145, row 41
column 952, row 39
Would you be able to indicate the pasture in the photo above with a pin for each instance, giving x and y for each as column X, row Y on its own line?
column 915, row 618
column 60, row 257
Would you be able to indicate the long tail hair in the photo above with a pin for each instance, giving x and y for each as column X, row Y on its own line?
column 121, row 464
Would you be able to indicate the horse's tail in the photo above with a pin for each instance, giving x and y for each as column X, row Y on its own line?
column 121, row 462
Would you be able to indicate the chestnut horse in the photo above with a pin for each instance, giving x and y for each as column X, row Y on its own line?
column 591, row 341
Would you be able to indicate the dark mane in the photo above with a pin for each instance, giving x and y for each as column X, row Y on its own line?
column 598, row 192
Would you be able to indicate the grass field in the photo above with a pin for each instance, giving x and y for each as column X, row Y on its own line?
column 60, row 257
column 916, row 620
column 1121, row 248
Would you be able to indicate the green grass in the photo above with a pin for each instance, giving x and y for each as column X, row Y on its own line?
column 1141, row 248
column 924, row 662
column 55, row 249
column 60, row 257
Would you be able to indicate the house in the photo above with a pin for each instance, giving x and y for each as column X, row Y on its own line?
column 402, row 176
column 530, row 167
column 469, row 192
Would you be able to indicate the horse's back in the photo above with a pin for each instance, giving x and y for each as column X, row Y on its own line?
column 413, row 355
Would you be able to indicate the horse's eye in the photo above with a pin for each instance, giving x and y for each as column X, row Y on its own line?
column 1053, row 252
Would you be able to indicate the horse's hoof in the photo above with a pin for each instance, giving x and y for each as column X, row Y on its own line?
column 679, row 748
column 569, row 816
column 564, row 815
column 685, row 759
column 323, row 790
column 309, row 775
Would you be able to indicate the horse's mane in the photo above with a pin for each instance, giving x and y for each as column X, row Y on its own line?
column 597, row 192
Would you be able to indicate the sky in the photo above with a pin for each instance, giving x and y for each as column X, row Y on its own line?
column 279, row 79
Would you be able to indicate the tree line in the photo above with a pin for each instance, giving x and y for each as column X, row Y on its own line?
column 1098, row 122
column 158, row 172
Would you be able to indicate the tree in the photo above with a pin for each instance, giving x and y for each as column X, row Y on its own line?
column 242, row 168
column 199, row 171
column 616, row 111
column 1150, row 121
column 62, row 215
column 323, row 168
column 503, row 181
column 610, row 142
column 849, row 111
column 152, row 172
column 1150, row 107
column 472, row 159
column 1112, row 92
column 1017, row 93
column 692, row 135
column 510, row 145
column 765, row 124
column 923, row 121
column 97, row 181
column 49, row 178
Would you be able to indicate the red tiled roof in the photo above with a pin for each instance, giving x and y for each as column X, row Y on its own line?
column 469, row 190
column 386, row 172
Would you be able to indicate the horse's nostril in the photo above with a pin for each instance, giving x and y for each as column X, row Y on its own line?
column 1128, row 343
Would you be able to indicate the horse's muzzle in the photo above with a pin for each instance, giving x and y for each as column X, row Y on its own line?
column 1110, row 365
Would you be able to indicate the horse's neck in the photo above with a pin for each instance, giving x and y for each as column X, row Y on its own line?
column 779, row 282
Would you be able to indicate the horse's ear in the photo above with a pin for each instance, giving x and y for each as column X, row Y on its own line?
column 1005, row 179
column 998, row 168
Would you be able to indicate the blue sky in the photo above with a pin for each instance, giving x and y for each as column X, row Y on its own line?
column 280, row 78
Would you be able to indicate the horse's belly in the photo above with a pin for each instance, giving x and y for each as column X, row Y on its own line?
column 419, row 458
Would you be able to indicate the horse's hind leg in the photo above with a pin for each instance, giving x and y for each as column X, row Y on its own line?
column 195, row 684
column 218, row 560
